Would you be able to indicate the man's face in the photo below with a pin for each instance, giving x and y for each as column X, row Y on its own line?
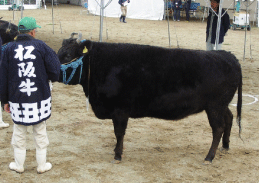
column 214, row 5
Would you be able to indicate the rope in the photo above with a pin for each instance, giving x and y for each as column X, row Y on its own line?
column 74, row 65
column 87, row 100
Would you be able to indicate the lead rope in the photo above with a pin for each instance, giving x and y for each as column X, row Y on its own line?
column 74, row 65
column 87, row 100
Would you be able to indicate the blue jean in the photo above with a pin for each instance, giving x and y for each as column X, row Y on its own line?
column 177, row 14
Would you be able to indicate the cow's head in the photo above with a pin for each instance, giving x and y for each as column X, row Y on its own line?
column 8, row 31
column 73, row 48
column 71, row 57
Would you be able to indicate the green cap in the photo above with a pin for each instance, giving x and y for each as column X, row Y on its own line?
column 27, row 23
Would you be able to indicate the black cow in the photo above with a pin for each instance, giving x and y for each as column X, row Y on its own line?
column 8, row 31
column 130, row 80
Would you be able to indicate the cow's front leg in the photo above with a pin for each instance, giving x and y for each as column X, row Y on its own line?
column 120, row 119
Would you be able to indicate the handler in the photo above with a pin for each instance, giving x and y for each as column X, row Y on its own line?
column 212, row 26
column 27, row 65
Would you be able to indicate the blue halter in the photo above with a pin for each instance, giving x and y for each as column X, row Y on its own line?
column 74, row 65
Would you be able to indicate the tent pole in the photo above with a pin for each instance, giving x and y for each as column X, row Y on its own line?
column 165, row 7
column 169, row 34
column 52, row 16
column 13, row 11
column 245, row 33
column 22, row 10
column 101, row 19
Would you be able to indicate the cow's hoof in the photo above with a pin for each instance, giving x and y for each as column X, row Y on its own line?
column 207, row 162
column 223, row 150
column 116, row 161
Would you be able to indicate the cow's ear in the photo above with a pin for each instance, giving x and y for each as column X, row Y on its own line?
column 64, row 42
column 85, row 46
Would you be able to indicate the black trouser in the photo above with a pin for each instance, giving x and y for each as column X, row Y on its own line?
column 187, row 13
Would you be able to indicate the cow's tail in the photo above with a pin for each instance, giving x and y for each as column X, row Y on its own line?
column 239, row 107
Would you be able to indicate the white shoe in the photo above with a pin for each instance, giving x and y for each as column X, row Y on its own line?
column 3, row 125
column 45, row 168
column 41, row 160
column 19, row 157
column 14, row 167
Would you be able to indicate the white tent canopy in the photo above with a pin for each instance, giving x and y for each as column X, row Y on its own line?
column 142, row 9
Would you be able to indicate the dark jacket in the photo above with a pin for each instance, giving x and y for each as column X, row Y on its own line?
column 27, row 66
column 177, row 4
column 122, row 1
column 225, row 23
column 187, row 4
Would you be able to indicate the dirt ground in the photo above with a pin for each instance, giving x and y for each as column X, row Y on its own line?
column 81, row 146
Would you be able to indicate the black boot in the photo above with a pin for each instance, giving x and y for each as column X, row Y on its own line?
column 124, row 19
column 121, row 18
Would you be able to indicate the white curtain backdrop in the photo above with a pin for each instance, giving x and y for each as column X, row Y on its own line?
column 137, row 9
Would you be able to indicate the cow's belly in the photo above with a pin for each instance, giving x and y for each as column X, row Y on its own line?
column 167, row 107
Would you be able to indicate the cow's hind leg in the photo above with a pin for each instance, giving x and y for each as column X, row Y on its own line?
column 120, row 119
column 228, row 125
column 217, row 123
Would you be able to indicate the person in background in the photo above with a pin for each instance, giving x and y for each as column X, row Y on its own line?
column 2, row 124
column 238, row 6
column 123, row 4
column 212, row 22
column 25, row 69
column 177, row 10
column 187, row 9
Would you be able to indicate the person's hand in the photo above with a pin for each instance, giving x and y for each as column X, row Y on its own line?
column 7, row 108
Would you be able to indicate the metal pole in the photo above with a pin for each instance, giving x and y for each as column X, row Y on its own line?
column 218, row 25
column 245, row 33
column 165, row 8
column 22, row 7
column 52, row 16
column 13, row 10
column 234, row 6
column 169, row 33
column 258, row 20
column 60, row 28
column 101, row 20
